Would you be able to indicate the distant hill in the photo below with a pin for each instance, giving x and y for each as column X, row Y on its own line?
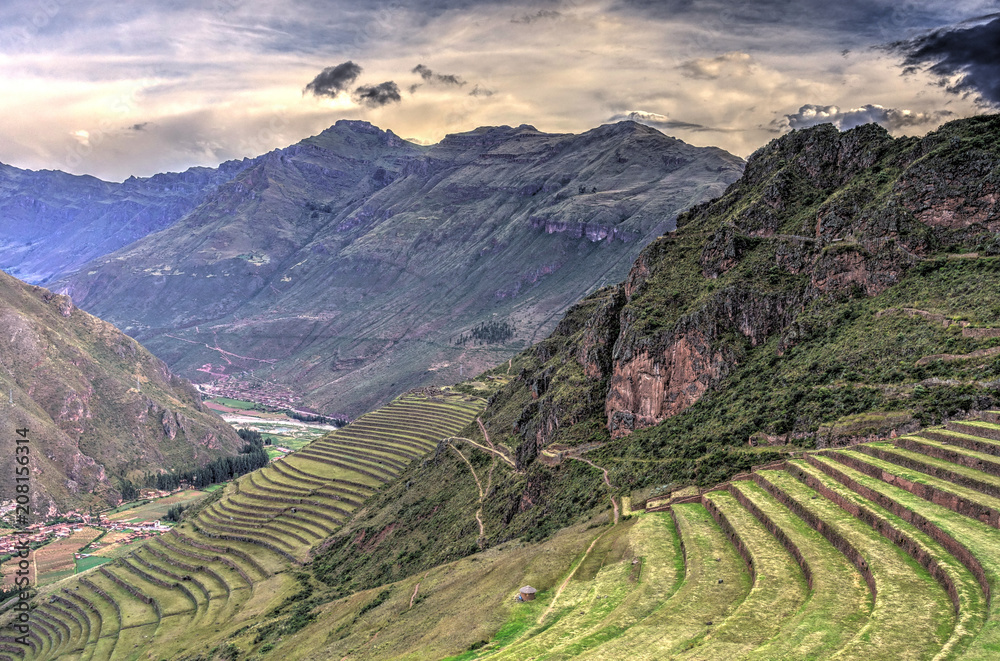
column 354, row 265
column 99, row 407
column 52, row 222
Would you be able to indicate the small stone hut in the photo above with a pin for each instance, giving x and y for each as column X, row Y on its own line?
column 528, row 593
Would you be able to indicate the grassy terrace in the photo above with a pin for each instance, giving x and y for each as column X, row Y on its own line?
column 232, row 559
column 887, row 550
column 912, row 616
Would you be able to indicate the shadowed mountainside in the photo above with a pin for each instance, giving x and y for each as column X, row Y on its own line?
column 98, row 405
column 349, row 266
column 52, row 222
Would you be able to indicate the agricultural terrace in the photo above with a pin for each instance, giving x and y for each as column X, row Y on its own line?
column 232, row 560
column 887, row 550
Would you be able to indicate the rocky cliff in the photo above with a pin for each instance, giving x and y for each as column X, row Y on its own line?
column 350, row 266
column 818, row 300
column 99, row 407
column 818, row 217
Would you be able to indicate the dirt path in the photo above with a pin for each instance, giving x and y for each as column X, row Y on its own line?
column 606, row 481
column 492, row 451
column 482, row 494
column 510, row 363
column 415, row 588
column 503, row 451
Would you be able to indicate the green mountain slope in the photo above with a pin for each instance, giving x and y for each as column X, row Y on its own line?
column 98, row 405
column 350, row 266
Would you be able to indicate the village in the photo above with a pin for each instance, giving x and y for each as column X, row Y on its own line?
column 72, row 533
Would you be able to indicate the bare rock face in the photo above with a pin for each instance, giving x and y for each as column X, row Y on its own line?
column 646, row 389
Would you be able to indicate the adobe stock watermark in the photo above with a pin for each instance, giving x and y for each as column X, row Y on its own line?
column 21, row 622
column 23, row 32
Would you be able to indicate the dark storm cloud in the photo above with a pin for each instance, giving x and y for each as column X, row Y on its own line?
column 375, row 96
column 437, row 78
column 334, row 80
column 847, row 21
column 966, row 57
column 891, row 118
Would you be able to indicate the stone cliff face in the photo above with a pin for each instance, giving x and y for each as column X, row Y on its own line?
column 817, row 215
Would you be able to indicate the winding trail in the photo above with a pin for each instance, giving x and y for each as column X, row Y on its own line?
column 606, row 481
column 492, row 451
column 479, row 485
column 415, row 588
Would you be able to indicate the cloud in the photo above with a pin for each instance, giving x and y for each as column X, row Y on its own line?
column 711, row 68
column 436, row 78
column 964, row 57
column 481, row 91
column 657, row 120
column 139, row 127
column 375, row 96
column 539, row 15
column 891, row 118
column 331, row 81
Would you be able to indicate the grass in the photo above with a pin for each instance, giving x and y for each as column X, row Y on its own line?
column 233, row 403
column 971, row 601
column 777, row 594
column 154, row 510
column 89, row 562
column 923, row 478
column 838, row 595
column 681, row 619
column 981, row 540
column 912, row 616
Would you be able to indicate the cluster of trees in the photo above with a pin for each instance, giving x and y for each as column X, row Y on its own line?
column 251, row 457
column 488, row 332
column 317, row 418
column 175, row 512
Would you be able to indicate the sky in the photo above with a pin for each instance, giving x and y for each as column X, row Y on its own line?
column 114, row 89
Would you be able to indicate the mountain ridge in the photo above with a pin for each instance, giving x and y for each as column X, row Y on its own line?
column 370, row 231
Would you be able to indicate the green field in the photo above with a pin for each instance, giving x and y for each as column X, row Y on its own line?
column 233, row 403
column 83, row 564
column 153, row 510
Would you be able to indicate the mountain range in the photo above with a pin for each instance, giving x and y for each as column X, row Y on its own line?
column 51, row 222
column 841, row 291
column 353, row 265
